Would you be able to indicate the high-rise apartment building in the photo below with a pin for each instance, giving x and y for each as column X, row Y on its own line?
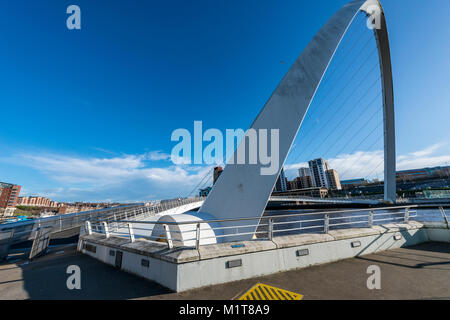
column 9, row 195
column 281, row 184
column 319, row 168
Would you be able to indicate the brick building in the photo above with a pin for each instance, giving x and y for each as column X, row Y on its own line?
column 9, row 195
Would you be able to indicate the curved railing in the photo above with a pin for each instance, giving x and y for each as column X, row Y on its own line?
column 268, row 226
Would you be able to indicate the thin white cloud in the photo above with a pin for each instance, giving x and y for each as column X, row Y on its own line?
column 122, row 177
column 132, row 178
column 97, row 171
column 157, row 155
column 423, row 162
column 427, row 151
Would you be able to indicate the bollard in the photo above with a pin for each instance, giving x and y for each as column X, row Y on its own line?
column 371, row 218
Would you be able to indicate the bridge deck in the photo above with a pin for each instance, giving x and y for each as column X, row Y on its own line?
column 417, row 272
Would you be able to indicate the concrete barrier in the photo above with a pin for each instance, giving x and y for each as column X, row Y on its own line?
column 182, row 269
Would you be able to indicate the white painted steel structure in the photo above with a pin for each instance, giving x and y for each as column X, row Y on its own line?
column 241, row 190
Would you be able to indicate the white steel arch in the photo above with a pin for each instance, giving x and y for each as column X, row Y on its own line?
column 241, row 190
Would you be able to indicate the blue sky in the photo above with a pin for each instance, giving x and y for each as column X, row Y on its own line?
column 87, row 115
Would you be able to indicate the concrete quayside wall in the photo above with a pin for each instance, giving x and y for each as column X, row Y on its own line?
column 181, row 269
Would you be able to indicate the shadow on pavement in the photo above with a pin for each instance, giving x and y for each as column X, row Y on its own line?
column 413, row 257
column 46, row 277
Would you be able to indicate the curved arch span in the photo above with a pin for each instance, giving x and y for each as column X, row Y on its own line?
column 241, row 190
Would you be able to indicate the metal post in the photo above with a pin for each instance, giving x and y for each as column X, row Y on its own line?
column 270, row 231
column 327, row 223
column 105, row 227
column 131, row 232
column 443, row 214
column 88, row 227
column 60, row 223
column 406, row 215
column 197, row 237
column 168, row 237
column 370, row 218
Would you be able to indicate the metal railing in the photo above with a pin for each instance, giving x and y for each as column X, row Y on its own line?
column 444, row 216
column 26, row 230
column 343, row 200
column 119, row 220
column 195, row 233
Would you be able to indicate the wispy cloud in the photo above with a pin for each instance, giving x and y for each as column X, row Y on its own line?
column 135, row 178
column 126, row 177
column 427, row 151
column 158, row 155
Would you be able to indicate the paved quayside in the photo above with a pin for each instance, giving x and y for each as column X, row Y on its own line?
column 416, row 272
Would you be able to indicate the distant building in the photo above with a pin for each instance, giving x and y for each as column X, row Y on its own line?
column 216, row 174
column 319, row 168
column 333, row 180
column 353, row 183
column 423, row 173
column 62, row 209
column 291, row 185
column 9, row 195
column 281, row 184
column 37, row 201
column 305, row 178
column 299, row 183
column 304, row 172
column 308, row 192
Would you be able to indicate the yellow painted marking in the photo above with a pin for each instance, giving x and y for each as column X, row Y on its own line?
column 266, row 293
column 262, row 291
